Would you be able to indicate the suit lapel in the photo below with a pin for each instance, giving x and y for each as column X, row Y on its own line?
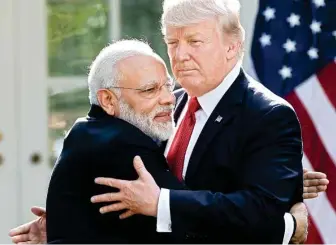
column 223, row 115
column 180, row 103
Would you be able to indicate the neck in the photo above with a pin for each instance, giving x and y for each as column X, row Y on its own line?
column 230, row 65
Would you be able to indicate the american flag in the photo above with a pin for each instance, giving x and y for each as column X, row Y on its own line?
column 294, row 54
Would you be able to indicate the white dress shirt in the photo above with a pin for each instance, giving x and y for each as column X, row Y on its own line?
column 208, row 102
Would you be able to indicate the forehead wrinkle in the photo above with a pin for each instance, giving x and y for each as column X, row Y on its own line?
column 205, row 33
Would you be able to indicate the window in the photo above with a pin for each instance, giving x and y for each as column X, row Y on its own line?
column 141, row 19
column 77, row 31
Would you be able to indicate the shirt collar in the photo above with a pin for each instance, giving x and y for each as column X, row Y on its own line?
column 209, row 101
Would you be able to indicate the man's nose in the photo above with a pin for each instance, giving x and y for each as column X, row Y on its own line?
column 181, row 52
column 166, row 96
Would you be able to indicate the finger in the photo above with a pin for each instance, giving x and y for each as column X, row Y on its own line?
column 305, row 170
column 126, row 215
column 20, row 230
column 314, row 189
column 323, row 182
column 310, row 189
column 116, row 183
column 38, row 211
column 140, row 167
column 315, row 182
column 309, row 195
column 113, row 208
column 107, row 197
column 321, row 188
column 314, row 175
column 20, row 238
column 312, row 182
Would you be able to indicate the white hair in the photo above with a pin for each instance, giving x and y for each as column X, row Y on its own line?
column 104, row 72
column 181, row 13
column 145, row 121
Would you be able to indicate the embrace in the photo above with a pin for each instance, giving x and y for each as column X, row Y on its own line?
column 218, row 161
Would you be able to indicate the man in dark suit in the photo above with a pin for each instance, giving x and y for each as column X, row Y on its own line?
column 88, row 150
column 131, row 108
column 236, row 141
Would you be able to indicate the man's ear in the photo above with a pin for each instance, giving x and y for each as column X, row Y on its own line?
column 108, row 101
column 233, row 48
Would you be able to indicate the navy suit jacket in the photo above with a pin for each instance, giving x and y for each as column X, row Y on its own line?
column 101, row 146
column 246, row 167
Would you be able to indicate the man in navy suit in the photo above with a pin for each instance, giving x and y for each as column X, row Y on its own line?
column 237, row 145
column 240, row 144
column 131, row 109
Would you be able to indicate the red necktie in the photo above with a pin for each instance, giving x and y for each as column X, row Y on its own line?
column 181, row 140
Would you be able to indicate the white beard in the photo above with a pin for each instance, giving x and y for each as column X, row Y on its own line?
column 145, row 122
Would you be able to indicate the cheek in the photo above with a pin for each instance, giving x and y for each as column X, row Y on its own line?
column 203, row 63
column 145, row 106
column 133, row 100
column 172, row 61
column 212, row 64
column 170, row 52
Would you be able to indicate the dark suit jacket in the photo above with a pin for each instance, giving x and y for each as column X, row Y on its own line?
column 101, row 146
column 247, row 161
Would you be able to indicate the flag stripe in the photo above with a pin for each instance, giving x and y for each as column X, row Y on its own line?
column 313, row 234
column 313, row 147
column 328, row 81
column 323, row 214
column 321, row 112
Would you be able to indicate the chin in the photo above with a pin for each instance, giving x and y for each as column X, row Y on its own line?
column 191, row 86
column 193, row 91
column 162, row 131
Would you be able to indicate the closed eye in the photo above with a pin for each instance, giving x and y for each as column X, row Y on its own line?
column 195, row 41
column 148, row 90
column 171, row 42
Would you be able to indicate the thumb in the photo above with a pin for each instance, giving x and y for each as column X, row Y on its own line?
column 305, row 170
column 140, row 167
column 38, row 211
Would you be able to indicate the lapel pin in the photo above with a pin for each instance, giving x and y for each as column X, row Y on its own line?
column 218, row 119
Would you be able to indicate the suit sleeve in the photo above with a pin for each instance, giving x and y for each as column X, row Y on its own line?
column 272, row 178
column 71, row 217
column 67, row 202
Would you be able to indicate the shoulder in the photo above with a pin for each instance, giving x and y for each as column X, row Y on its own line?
column 259, row 101
column 99, row 138
column 96, row 133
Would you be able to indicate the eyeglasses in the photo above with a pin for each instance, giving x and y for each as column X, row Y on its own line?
column 152, row 90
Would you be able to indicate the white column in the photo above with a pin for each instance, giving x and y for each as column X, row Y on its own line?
column 32, row 76
column 9, row 121
column 248, row 13
column 114, row 19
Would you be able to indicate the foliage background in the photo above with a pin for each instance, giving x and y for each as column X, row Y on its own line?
column 77, row 31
